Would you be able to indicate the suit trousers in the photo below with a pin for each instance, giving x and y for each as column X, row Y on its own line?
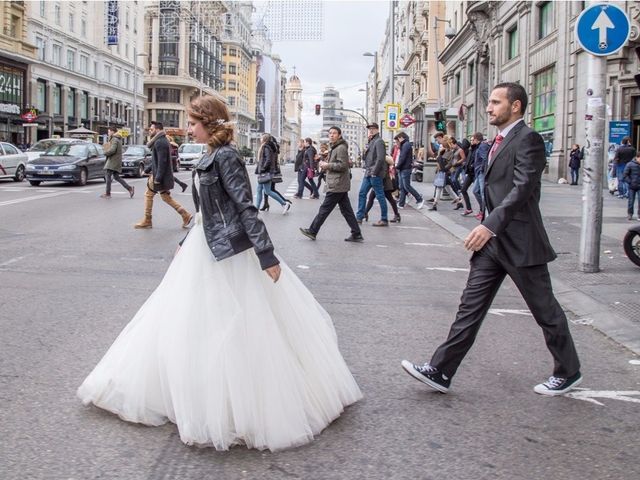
column 331, row 199
column 488, row 270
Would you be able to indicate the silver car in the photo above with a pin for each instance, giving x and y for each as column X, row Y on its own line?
column 190, row 153
column 13, row 162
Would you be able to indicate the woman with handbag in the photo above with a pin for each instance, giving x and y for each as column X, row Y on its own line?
column 266, row 169
column 276, row 178
column 441, row 180
column 247, row 356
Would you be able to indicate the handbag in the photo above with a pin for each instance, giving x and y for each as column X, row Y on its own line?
column 276, row 177
column 310, row 173
column 439, row 180
column 264, row 177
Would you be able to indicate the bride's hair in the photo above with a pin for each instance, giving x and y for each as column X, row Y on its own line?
column 214, row 116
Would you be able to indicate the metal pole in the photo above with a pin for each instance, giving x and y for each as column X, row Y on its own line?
column 375, row 86
column 392, row 62
column 435, row 41
column 592, row 172
column 135, row 95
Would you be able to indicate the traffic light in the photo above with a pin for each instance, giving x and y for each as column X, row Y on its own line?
column 441, row 120
column 317, row 109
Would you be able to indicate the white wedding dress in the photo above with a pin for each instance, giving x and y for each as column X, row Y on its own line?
column 227, row 355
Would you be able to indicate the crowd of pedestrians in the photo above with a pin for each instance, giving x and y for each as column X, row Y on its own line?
column 624, row 174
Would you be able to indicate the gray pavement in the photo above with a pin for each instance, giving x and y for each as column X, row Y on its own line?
column 608, row 300
column 73, row 272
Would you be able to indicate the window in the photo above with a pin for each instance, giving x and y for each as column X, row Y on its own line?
column 71, row 103
column 232, row 101
column 169, row 118
column 126, row 80
column 15, row 30
column 457, row 83
column 56, row 52
column 233, row 52
column 232, row 85
column 512, row 42
column 471, row 75
column 84, row 105
column 469, row 121
column 545, row 19
column 56, row 15
column 71, row 22
column 40, row 44
column 117, row 77
column 107, row 73
column 544, row 100
column 233, row 69
column 57, row 101
column 83, row 28
column 170, row 95
column 71, row 60
column 84, row 64
column 41, row 96
column 42, row 8
column 9, row 149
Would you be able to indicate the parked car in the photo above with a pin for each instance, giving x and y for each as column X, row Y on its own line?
column 134, row 159
column 13, row 162
column 190, row 153
column 74, row 162
column 45, row 144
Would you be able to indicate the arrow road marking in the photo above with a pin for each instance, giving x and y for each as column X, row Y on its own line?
column 448, row 269
column 502, row 311
column 590, row 395
column 602, row 23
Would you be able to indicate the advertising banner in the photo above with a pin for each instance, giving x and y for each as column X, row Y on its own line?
column 111, row 23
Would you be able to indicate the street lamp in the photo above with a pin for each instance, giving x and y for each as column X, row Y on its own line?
column 449, row 32
column 135, row 92
column 375, row 83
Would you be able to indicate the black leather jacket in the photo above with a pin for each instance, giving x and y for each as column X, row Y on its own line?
column 230, row 220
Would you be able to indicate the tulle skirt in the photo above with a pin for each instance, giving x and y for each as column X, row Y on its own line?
column 227, row 355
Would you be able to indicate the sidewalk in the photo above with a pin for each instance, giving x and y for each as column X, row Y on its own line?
column 608, row 300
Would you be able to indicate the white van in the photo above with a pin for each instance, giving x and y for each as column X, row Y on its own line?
column 190, row 153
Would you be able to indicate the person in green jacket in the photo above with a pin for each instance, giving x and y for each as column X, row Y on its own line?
column 113, row 165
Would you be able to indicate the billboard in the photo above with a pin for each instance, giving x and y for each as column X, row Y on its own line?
column 267, row 96
column 111, row 23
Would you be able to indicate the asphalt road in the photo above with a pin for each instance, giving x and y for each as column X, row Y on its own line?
column 73, row 272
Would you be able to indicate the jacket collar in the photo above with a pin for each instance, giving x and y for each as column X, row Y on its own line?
column 511, row 134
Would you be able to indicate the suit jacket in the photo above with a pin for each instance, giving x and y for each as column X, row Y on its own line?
column 512, row 194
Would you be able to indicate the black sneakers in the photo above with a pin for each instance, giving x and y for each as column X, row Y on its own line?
column 558, row 385
column 307, row 233
column 354, row 238
column 428, row 375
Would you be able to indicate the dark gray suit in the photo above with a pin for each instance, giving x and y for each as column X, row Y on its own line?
column 520, row 249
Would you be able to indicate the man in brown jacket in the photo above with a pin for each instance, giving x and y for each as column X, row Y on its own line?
column 337, row 188
column 113, row 165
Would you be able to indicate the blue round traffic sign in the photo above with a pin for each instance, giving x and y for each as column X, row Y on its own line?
column 603, row 29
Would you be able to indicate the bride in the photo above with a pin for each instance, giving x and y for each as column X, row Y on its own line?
column 231, row 355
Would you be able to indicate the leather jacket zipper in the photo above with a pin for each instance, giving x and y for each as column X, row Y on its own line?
column 224, row 222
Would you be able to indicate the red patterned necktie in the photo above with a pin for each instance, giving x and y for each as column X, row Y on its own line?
column 496, row 144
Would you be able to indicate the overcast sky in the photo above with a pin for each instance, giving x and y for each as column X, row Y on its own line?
column 350, row 29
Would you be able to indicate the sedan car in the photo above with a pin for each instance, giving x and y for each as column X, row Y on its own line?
column 68, row 162
column 45, row 144
column 189, row 154
column 134, row 160
column 13, row 162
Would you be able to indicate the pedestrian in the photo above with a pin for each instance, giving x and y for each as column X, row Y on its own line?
column 161, row 178
column 510, row 241
column 631, row 176
column 480, row 150
column 457, row 160
column 404, row 165
column 575, row 156
column 231, row 346
column 375, row 167
column 389, row 187
column 442, row 180
column 310, row 163
column 299, row 167
column 337, row 188
column 113, row 165
column 173, row 150
column 266, row 168
column 275, row 178
column 624, row 154
column 322, row 156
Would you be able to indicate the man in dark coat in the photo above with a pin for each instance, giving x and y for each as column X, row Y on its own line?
column 375, row 170
column 113, row 165
column 161, row 178
column 299, row 167
column 510, row 241
column 624, row 154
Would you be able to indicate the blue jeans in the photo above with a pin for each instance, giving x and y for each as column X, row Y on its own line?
column 265, row 188
column 367, row 184
column 404, row 182
column 478, row 190
column 632, row 197
column 574, row 176
column 623, row 189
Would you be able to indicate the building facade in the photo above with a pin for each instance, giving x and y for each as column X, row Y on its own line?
column 17, row 53
column 183, row 50
column 332, row 113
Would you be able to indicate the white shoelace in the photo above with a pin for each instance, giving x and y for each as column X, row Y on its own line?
column 555, row 382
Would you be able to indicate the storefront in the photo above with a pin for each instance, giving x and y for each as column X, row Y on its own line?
column 13, row 81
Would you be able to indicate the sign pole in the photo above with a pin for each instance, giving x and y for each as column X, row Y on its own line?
column 592, row 172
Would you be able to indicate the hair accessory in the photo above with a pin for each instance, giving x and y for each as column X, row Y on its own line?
column 220, row 121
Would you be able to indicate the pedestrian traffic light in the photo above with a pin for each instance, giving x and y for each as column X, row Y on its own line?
column 441, row 120
column 317, row 109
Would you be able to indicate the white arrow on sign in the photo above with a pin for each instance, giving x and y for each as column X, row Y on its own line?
column 590, row 395
column 502, row 311
column 602, row 23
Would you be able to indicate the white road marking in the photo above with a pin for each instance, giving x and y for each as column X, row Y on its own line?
column 428, row 244
column 382, row 246
column 10, row 261
column 502, row 311
column 28, row 199
column 414, row 228
column 590, row 395
column 448, row 269
column 634, row 362
column 582, row 321
column 303, row 267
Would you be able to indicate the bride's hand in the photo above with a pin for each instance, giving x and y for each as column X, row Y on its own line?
column 274, row 272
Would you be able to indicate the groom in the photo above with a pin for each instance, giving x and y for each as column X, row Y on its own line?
column 510, row 241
